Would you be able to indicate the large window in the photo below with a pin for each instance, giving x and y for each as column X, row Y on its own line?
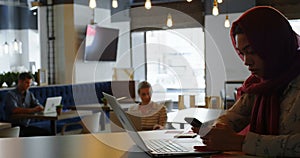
column 174, row 63
column 295, row 25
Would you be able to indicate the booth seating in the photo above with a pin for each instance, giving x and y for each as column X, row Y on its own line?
column 72, row 94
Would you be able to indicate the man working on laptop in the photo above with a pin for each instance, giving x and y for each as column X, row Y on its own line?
column 21, row 101
column 154, row 116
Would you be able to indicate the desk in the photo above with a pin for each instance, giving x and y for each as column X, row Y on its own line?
column 202, row 114
column 99, row 108
column 53, row 117
column 100, row 145
column 4, row 125
column 94, row 108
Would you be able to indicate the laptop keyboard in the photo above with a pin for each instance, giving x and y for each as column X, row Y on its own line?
column 164, row 145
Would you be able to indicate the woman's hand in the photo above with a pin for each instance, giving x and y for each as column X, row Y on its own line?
column 221, row 138
column 195, row 130
column 157, row 126
column 205, row 128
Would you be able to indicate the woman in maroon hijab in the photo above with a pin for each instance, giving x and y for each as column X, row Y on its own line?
column 270, row 97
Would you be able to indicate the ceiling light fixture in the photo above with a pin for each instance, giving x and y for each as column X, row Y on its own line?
column 114, row 3
column 148, row 4
column 227, row 22
column 6, row 48
column 215, row 10
column 92, row 4
column 169, row 20
column 17, row 46
column 35, row 4
column 220, row 1
column 189, row 0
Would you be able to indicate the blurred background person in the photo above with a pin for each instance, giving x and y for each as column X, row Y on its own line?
column 153, row 115
column 21, row 101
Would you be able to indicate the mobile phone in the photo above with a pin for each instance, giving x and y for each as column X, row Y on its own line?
column 193, row 121
column 186, row 135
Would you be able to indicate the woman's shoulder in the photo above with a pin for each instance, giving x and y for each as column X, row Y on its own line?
column 295, row 82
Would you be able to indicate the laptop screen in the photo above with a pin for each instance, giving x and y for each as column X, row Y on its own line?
column 128, row 126
column 125, row 121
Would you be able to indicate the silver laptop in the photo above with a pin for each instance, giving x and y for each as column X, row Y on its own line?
column 51, row 103
column 152, row 147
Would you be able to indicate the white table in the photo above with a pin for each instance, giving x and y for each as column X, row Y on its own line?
column 98, row 108
column 53, row 117
column 101, row 145
column 202, row 114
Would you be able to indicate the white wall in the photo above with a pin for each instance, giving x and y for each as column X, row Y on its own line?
column 34, row 48
column 222, row 62
column 99, row 71
column 30, row 50
column 70, row 21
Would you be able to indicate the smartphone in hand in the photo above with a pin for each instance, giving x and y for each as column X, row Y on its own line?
column 193, row 121
column 186, row 135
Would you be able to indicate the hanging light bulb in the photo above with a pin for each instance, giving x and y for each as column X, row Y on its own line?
column 92, row 4
column 215, row 10
column 148, row 4
column 220, row 1
column 169, row 20
column 6, row 48
column 114, row 3
column 16, row 45
column 227, row 22
column 189, row 0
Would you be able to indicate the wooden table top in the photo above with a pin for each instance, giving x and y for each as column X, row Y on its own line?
column 54, row 116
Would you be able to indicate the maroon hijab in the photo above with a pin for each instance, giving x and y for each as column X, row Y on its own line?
column 272, row 38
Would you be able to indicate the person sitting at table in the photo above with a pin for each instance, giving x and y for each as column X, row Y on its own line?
column 153, row 115
column 270, row 96
column 21, row 101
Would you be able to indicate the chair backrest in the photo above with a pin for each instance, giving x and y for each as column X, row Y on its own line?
column 10, row 132
column 213, row 102
column 181, row 102
column 91, row 123
column 167, row 103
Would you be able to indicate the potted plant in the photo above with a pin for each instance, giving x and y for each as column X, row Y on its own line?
column 104, row 101
column 59, row 109
column 105, row 106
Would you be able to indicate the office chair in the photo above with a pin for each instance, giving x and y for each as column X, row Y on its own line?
column 90, row 124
